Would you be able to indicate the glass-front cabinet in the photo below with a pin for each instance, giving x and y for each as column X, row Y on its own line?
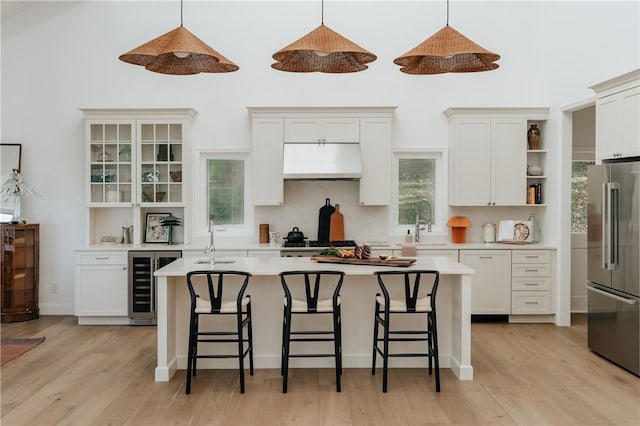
column 110, row 162
column 136, row 162
column 161, row 165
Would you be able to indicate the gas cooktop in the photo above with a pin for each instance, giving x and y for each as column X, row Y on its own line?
column 320, row 244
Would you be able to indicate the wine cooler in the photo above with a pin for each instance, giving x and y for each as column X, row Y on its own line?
column 142, row 283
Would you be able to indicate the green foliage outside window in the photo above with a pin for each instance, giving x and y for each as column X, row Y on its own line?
column 416, row 182
column 226, row 191
column 579, row 195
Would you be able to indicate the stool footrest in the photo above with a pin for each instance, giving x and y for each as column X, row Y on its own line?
column 220, row 340
column 312, row 356
column 310, row 339
column 405, row 339
column 311, row 332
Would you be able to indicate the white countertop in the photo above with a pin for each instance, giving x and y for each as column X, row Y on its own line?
column 243, row 245
column 266, row 266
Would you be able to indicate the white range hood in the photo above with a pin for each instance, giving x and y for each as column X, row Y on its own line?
column 313, row 161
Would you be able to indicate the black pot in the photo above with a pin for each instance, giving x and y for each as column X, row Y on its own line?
column 295, row 236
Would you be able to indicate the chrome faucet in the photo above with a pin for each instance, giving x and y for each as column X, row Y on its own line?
column 420, row 224
column 211, row 248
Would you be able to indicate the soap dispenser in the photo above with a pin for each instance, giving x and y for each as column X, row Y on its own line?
column 408, row 238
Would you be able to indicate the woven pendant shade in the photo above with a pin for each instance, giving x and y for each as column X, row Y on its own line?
column 447, row 51
column 323, row 50
column 166, row 55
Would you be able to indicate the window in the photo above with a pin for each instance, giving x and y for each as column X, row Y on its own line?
column 419, row 177
column 579, row 195
column 226, row 191
column 222, row 193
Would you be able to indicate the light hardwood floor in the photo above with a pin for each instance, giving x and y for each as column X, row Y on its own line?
column 530, row 374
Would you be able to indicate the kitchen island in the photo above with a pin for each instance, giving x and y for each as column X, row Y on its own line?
column 357, row 296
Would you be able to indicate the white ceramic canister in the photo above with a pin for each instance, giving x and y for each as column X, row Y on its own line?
column 489, row 232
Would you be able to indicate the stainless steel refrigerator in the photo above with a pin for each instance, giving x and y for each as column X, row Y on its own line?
column 613, row 252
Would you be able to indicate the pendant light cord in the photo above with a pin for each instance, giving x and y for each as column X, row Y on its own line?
column 181, row 13
column 447, row 13
column 322, row 14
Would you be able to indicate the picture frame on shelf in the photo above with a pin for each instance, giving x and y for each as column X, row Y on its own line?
column 154, row 232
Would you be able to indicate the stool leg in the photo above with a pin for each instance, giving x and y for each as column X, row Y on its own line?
column 385, row 355
column 284, row 339
column 336, row 346
column 195, row 343
column 285, row 374
column 250, row 334
column 190, row 354
column 435, row 350
column 430, row 342
column 240, row 350
column 375, row 338
column 340, row 336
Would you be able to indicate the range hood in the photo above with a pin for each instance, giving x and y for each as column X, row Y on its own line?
column 314, row 161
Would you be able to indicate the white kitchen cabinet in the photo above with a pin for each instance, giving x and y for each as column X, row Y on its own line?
column 618, row 117
column 101, row 287
column 325, row 129
column 491, row 282
column 488, row 155
column 368, row 126
column 267, row 155
column 375, row 151
column 136, row 161
column 531, row 283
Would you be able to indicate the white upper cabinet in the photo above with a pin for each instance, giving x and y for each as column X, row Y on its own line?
column 136, row 159
column 618, row 117
column 268, row 184
column 488, row 155
column 318, row 130
column 369, row 127
column 375, row 150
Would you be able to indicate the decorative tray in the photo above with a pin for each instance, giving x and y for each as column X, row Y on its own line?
column 402, row 261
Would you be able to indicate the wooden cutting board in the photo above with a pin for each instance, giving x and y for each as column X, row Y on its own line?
column 404, row 262
column 336, row 227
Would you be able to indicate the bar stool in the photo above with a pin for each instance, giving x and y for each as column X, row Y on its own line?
column 413, row 303
column 239, row 305
column 310, row 304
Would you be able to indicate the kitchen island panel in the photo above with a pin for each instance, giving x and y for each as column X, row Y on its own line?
column 358, row 294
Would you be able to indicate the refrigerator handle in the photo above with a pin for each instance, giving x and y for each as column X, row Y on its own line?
column 611, row 295
column 614, row 203
column 605, row 226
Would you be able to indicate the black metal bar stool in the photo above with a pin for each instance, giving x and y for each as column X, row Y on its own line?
column 239, row 305
column 414, row 302
column 311, row 304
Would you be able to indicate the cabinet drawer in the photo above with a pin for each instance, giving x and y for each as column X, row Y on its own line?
column 530, row 270
column 530, row 302
column 531, row 256
column 101, row 258
column 535, row 283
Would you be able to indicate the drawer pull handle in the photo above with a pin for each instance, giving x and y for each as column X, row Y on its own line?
column 102, row 258
column 532, row 270
column 530, row 303
column 531, row 256
column 531, row 284
column 486, row 257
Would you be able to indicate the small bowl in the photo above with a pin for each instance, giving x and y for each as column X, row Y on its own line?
column 383, row 256
column 176, row 176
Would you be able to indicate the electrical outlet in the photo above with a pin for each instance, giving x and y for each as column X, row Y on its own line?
column 54, row 288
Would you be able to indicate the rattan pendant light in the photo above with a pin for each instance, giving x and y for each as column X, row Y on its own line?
column 447, row 51
column 322, row 50
column 178, row 52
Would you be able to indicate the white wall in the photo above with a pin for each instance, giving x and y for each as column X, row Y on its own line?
column 60, row 56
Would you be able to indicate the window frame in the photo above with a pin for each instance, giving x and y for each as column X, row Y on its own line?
column 439, row 154
column 201, row 193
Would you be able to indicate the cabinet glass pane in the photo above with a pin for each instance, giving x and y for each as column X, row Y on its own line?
column 147, row 133
column 175, row 133
column 97, row 133
column 111, row 132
